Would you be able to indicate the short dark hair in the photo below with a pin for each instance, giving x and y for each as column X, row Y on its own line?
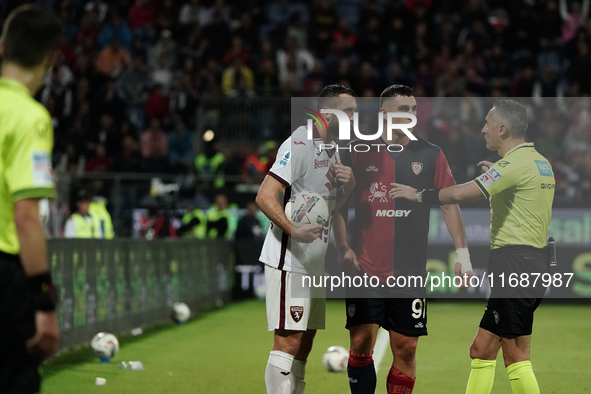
column 514, row 115
column 30, row 34
column 395, row 91
column 331, row 91
column 82, row 196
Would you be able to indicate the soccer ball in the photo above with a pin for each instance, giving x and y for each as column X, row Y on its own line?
column 335, row 359
column 104, row 345
column 307, row 208
column 180, row 312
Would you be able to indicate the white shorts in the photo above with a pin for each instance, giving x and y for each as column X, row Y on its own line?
column 285, row 312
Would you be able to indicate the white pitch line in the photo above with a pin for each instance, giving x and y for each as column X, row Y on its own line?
column 379, row 350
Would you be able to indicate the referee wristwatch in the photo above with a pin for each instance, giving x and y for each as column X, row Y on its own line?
column 419, row 194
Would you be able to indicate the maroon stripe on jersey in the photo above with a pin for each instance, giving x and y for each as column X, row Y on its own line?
column 279, row 179
column 284, row 237
column 282, row 301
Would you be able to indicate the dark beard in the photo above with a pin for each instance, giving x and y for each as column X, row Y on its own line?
column 332, row 133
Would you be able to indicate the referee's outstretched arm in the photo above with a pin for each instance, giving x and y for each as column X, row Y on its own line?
column 449, row 195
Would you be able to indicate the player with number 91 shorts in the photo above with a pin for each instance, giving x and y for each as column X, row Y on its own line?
column 390, row 242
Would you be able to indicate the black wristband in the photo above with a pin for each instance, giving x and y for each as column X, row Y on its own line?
column 431, row 196
column 44, row 292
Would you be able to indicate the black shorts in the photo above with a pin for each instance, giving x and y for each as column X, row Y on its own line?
column 18, row 369
column 406, row 316
column 510, row 311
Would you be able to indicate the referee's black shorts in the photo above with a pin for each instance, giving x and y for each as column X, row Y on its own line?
column 510, row 310
column 18, row 369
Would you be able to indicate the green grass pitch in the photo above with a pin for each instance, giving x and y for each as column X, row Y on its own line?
column 226, row 352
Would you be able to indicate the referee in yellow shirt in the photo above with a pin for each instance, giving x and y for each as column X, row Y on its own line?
column 28, row 325
column 520, row 188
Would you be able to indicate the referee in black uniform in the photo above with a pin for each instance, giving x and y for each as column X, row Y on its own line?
column 28, row 325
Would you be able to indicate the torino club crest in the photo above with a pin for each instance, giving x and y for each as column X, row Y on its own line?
column 296, row 313
column 417, row 167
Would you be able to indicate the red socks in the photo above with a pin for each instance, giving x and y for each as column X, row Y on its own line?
column 360, row 360
column 399, row 382
column 360, row 377
column 362, row 373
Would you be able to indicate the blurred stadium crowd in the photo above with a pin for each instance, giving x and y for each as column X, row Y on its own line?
column 125, row 93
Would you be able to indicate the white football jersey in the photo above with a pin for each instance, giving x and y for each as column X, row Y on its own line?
column 301, row 166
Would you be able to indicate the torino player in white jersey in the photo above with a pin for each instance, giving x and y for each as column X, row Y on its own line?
column 289, row 252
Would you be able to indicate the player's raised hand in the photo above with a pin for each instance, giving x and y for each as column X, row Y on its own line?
column 45, row 341
column 403, row 191
column 306, row 234
column 349, row 263
column 485, row 165
column 344, row 175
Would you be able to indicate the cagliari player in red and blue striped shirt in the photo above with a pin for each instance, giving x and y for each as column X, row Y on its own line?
column 390, row 239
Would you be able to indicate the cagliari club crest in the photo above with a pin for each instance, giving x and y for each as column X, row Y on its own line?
column 417, row 167
column 351, row 309
column 296, row 313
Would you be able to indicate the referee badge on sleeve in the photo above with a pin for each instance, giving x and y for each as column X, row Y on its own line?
column 41, row 165
column 489, row 178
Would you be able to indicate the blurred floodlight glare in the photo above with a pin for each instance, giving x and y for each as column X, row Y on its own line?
column 208, row 135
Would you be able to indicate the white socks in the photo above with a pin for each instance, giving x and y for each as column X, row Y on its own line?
column 284, row 375
column 298, row 373
column 278, row 373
